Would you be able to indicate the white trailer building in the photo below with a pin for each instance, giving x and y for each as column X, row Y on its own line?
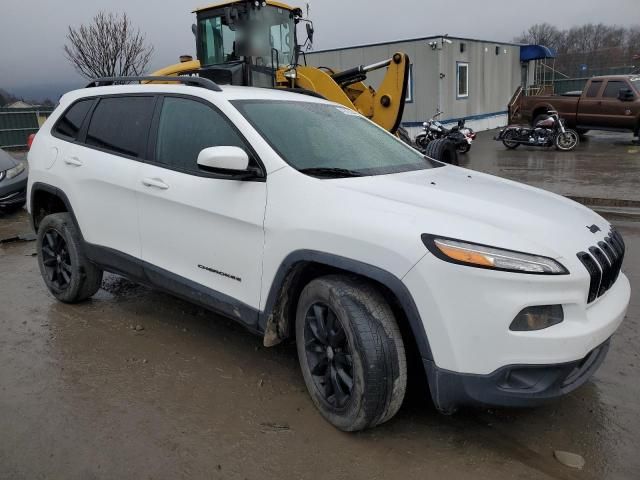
column 462, row 77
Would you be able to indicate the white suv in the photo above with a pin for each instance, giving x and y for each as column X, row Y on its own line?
column 302, row 219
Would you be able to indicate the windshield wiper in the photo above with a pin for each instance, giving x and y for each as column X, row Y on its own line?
column 330, row 172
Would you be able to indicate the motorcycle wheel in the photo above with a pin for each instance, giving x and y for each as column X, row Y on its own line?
column 508, row 140
column 567, row 141
column 464, row 148
column 421, row 142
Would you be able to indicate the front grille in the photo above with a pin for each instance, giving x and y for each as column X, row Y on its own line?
column 603, row 262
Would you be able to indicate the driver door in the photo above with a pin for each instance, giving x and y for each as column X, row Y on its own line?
column 201, row 234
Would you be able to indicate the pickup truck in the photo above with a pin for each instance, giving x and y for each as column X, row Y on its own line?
column 606, row 103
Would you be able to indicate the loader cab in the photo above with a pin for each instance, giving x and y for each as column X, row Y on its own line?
column 245, row 42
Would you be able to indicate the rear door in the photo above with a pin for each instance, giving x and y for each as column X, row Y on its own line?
column 590, row 104
column 102, row 167
column 202, row 233
column 616, row 113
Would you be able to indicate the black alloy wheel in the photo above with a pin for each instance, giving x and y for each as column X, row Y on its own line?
column 328, row 355
column 56, row 259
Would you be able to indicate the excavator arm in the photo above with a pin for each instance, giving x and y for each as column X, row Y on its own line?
column 383, row 106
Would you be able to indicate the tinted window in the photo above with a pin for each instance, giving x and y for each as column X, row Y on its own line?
column 613, row 87
column 121, row 124
column 186, row 127
column 70, row 123
column 594, row 88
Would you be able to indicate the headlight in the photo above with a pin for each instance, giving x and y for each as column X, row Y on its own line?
column 483, row 256
column 15, row 171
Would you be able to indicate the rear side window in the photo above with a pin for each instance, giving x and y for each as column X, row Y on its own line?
column 594, row 88
column 70, row 123
column 188, row 126
column 613, row 88
column 121, row 125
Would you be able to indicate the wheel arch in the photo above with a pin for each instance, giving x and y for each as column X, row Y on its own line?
column 46, row 199
column 277, row 320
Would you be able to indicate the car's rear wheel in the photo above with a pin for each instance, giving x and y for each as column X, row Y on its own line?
column 351, row 352
column 66, row 271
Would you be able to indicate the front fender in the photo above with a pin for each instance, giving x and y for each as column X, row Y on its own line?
column 285, row 277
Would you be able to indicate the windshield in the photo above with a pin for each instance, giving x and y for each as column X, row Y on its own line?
column 635, row 81
column 324, row 136
column 265, row 34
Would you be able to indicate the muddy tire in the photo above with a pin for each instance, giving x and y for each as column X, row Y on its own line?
column 351, row 352
column 66, row 271
column 443, row 150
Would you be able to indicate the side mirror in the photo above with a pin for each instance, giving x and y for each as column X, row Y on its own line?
column 310, row 32
column 224, row 159
column 626, row 94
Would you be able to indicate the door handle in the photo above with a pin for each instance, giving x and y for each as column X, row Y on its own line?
column 155, row 182
column 74, row 161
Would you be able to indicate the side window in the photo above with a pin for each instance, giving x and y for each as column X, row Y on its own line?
column 594, row 88
column 121, row 125
column 462, row 90
column 188, row 126
column 613, row 87
column 70, row 123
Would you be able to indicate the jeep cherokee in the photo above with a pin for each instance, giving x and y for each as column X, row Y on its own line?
column 302, row 219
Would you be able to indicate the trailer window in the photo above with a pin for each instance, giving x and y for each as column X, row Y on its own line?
column 463, row 80
column 594, row 88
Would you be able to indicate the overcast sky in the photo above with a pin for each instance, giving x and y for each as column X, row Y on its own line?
column 32, row 32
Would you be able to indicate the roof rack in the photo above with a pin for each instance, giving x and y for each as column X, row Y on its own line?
column 191, row 81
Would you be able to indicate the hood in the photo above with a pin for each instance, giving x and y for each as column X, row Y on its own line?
column 6, row 161
column 482, row 208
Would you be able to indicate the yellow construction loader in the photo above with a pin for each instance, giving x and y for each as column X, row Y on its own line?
column 254, row 43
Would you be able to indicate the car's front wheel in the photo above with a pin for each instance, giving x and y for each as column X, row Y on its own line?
column 351, row 352
column 66, row 271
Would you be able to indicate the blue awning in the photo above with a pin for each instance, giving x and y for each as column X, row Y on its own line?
column 536, row 52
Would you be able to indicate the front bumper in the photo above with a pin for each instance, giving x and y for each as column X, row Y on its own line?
column 512, row 385
column 466, row 313
column 13, row 192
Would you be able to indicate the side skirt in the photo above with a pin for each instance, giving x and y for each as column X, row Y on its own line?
column 147, row 274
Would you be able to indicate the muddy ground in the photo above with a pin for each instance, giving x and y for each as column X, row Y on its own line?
column 84, row 394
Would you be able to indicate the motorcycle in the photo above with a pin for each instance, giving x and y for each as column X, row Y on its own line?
column 547, row 132
column 461, row 136
column 465, row 136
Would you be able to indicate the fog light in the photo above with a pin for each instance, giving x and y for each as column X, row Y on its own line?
column 537, row 318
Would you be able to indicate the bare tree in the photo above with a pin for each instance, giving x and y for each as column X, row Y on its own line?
column 108, row 46
column 543, row 34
